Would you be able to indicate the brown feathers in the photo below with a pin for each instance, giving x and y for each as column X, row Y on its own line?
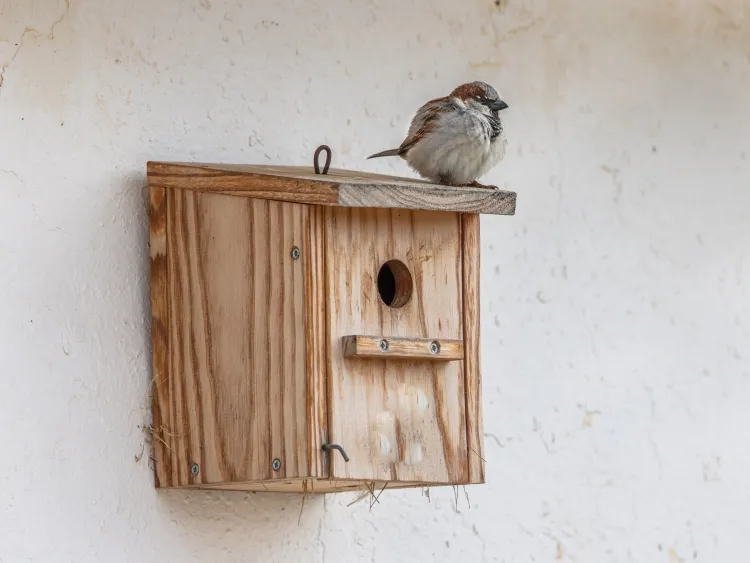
column 472, row 90
column 425, row 121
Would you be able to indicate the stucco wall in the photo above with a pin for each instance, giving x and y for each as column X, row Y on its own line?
column 616, row 310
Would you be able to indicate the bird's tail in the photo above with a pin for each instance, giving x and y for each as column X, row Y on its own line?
column 391, row 152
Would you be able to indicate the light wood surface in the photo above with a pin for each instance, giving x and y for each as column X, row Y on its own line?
column 259, row 356
column 160, row 384
column 360, row 346
column 316, row 345
column 398, row 420
column 343, row 188
column 471, row 312
column 318, row 486
column 238, row 334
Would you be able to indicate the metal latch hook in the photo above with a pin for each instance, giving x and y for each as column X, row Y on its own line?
column 327, row 447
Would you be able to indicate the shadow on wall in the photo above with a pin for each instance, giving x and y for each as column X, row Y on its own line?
column 277, row 521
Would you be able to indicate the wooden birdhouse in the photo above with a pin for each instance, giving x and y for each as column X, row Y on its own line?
column 314, row 332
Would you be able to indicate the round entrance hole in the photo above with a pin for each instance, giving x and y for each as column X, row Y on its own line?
column 395, row 283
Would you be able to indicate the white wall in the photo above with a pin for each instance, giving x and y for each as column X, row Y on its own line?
column 616, row 314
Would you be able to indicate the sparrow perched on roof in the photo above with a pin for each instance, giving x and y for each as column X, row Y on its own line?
column 456, row 139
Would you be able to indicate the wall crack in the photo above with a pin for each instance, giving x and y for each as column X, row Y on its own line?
column 50, row 35
column 13, row 173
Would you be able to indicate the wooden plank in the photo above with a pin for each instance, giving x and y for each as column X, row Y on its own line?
column 360, row 346
column 159, row 334
column 175, row 437
column 444, row 198
column 242, row 181
column 315, row 334
column 237, row 323
column 398, row 420
column 470, row 250
column 316, row 486
column 343, row 188
column 307, row 173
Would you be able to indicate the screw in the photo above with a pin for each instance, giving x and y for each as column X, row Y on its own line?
column 194, row 469
column 383, row 345
column 276, row 464
column 435, row 347
column 295, row 253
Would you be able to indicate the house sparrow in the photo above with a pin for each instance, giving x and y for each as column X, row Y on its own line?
column 456, row 139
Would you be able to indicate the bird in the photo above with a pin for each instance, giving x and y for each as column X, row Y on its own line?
column 456, row 139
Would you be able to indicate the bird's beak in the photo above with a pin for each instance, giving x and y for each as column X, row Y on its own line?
column 498, row 105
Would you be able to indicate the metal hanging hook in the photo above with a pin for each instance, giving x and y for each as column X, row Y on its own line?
column 327, row 447
column 328, row 159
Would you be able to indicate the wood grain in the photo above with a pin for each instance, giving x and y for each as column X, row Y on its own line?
column 316, row 346
column 159, row 333
column 427, row 197
column 470, row 244
column 361, row 346
column 238, row 335
column 251, row 363
column 316, row 486
column 399, row 420
column 344, row 188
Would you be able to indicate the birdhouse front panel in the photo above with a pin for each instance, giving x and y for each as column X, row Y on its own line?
column 394, row 277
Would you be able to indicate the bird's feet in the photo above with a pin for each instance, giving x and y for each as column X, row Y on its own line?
column 476, row 184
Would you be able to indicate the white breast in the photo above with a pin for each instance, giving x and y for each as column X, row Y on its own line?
column 458, row 150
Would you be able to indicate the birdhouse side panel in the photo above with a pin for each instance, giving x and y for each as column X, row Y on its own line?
column 160, row 387
column 237, row 389
column 399, row 420
column 471, row 250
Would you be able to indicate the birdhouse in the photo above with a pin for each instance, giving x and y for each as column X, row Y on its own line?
column 315, row 332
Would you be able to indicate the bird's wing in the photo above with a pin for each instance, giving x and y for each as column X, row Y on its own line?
column 425, row 120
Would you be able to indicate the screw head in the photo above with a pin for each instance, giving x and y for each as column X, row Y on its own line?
column 434, row 347
column 276, row 464
column 383, row 345
column 295, row 253
column 194, row 469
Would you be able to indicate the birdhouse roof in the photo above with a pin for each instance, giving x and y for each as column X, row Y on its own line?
column 343, row 188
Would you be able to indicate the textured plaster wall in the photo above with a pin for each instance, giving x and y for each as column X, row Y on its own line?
column 616, row 344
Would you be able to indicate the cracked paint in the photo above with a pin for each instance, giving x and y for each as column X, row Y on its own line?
column 30, row 30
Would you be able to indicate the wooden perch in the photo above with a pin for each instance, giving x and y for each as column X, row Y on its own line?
column 382, row 347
